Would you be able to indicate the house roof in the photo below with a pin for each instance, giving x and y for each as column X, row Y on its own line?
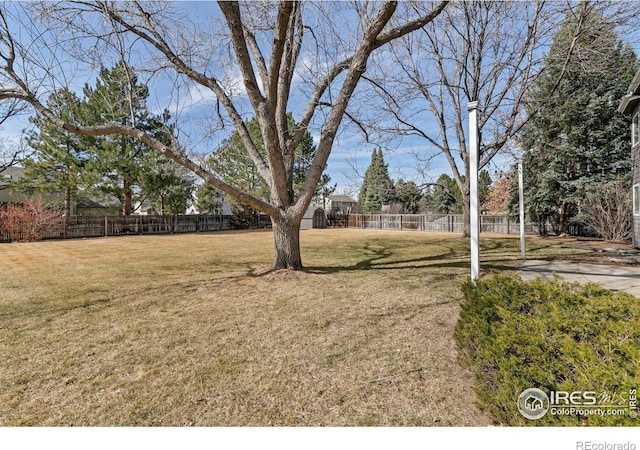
column 98, row 200
column 10, row 173
column 631, row 98
column 341, row 198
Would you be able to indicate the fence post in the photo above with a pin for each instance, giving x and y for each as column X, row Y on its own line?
column 106, row 226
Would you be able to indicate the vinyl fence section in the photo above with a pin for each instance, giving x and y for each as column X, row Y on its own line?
column 98, row 226
column 451, row 223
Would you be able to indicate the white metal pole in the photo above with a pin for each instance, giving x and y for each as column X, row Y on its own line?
column 473, row 187
column 521, row 206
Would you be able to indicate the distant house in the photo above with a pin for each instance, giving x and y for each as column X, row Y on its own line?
column 98, row 205
column 630, row 105
column 9, row 194
column 342, row 204
column 224, row 208
column 91, row 205
column 314, row 217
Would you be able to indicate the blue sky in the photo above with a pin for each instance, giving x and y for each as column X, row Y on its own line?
column 192, row 105
column 349, row 158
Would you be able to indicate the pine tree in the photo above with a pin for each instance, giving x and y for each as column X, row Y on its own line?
column 208, row 200
column 484, row 187
column 59, row 162
column 166, row 185
column 305, row 152
column 408, row 193
column 377, row 187
column 576, row 137
column 233, row 165
column 119, row 98
column 445, row 196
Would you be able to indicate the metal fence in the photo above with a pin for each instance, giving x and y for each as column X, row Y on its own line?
column 451, row 223
column 99, row 226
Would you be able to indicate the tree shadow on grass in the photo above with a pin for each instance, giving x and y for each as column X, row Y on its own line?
column 381, row 257
column 380, row 260
column 447, row 261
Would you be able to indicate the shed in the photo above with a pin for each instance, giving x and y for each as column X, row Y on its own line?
column 314, row 217
column 630, row 105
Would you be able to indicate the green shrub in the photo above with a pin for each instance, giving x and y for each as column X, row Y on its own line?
column 550, row 335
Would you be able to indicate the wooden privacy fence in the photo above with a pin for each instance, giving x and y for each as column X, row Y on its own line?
column 97, row 226
column 89, row 226
column 451, row 223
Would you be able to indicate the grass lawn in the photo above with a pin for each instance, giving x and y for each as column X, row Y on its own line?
column 189, row 330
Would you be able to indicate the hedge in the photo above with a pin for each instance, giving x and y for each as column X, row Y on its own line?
column 551, row 335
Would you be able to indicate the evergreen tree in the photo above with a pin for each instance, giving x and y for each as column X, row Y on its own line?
column 408, row 193
column 484, row 187
column 59, row 162
column 305, row 152
column 446, row 197
column 119, row 98
column 233, row 165
column 166, row 184
column 208, row 200
column 377, row 187
column 576, row 138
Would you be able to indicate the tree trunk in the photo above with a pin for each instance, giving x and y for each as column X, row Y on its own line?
column 286, row 240
column 67, row 202
column 564, row 219
column 128, row 195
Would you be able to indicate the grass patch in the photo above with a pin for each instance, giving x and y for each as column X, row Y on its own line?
column 554, row 336
column 188, row 330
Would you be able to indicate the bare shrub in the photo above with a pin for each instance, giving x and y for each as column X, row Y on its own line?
column 30, row 221
column 607, row 209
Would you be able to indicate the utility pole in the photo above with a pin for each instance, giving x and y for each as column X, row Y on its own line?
column 473, row 187
column 521, row 206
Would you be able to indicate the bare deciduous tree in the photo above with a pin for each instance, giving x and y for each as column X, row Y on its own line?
column 500, row 194
column 266, row 45
column 607, row 210
column 490, row 52
column 8, row 157
column 10, row 153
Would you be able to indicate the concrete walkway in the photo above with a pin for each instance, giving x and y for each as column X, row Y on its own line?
column 616, row 278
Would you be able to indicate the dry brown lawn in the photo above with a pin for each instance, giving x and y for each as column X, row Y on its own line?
column 190, row 330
